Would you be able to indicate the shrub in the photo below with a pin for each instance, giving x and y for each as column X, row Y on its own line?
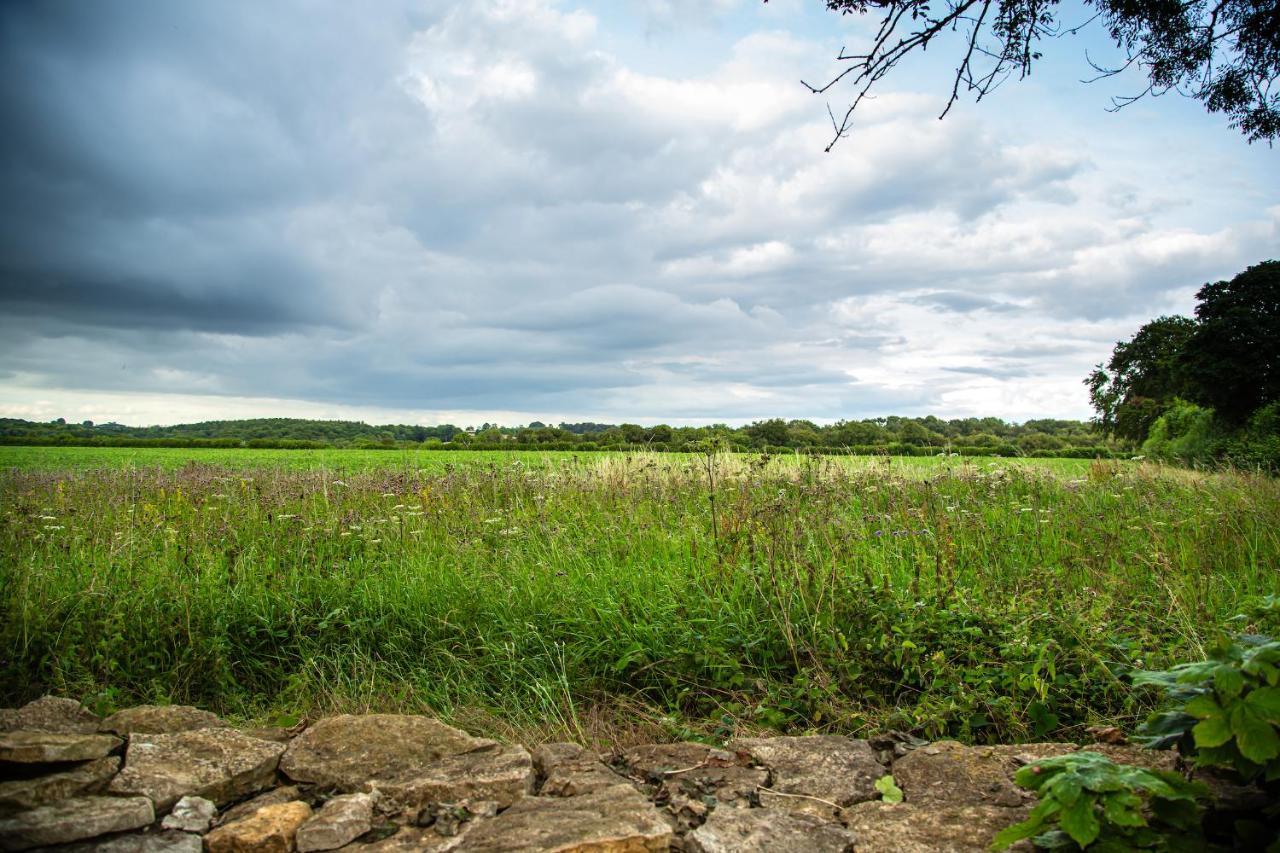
column 1226, row 710
column 1185, row 433
column 1087, row 800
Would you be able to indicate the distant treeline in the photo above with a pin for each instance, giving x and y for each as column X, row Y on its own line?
column 877, row 436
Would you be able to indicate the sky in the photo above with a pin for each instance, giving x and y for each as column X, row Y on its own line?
column 508, row 210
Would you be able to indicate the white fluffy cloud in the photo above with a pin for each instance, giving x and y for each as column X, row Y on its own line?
column 481, row 209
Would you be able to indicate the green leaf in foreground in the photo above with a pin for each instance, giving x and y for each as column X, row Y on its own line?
column 1211, row 732
column 889, row 790
column 1255, row 737
column 1265, row 702
column 1229, row 706
column 1079, row 821
column 1087, row 800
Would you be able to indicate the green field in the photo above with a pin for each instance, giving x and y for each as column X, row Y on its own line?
column 610, row 596
column 67, row 458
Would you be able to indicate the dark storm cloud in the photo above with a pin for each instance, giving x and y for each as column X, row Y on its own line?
column 150, row 152
column 137, row 303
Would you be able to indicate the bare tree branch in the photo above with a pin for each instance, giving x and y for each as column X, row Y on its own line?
column 1225, row 53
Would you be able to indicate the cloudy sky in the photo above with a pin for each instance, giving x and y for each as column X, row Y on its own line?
column 516, row 209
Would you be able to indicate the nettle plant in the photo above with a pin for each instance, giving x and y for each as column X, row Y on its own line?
column 1225, row 710
column 1087, row 800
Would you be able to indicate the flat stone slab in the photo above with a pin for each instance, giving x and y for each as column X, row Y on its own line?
column 50, row 714
column 688, row 779
column 191, row 814
column 275, row 733
column 410, row 761
column 340, row 821
column 275, row 796
column 768, row 831
column 269, row 830
column 218, row 764
column 74, row 820
column 160, row 719
column 617, row 819
column 41, row 747
column 409, row 839
column 906, row 828
column 140, row 842
column 653, row 764
column 694, row 769
column 81, row 780
column 501, row 774
column 948, row 773
column 726, row 786
column 568, row 769
column 347, row 752
column 816, row 775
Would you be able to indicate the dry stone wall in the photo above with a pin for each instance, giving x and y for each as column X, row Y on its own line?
column 180, row 780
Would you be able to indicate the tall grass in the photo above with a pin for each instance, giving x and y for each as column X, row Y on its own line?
column 605, row 595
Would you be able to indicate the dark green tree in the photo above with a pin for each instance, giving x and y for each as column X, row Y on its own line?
column 661, row 433
column 913, row 432
column 1224, row 53
column 772, row 432
column 848, row 433
column 1142, row 377
column 1232, row 362
column 803, row 433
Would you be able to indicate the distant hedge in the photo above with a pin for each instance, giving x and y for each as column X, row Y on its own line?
column 897, row 449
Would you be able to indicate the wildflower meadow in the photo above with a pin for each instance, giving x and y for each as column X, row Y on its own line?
column 613, row 596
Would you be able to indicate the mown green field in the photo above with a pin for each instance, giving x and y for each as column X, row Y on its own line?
column 609, row 597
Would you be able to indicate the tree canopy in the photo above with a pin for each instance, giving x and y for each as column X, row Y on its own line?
column 1224, row 53
column 1142, row 375
column 1232, row 361
column 1227, row 359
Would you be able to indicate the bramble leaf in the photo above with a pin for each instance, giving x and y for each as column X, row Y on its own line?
column 1228, row 681
column 1212, row 732
column 1102, row 805
column 1011, row 835
column 1079, row 821
column 1255, row 737
column 1265, row 702
column 1067, row 788
column 1055, row 840
column 1164, row 729
column 1204, row 706
column 1123, row 810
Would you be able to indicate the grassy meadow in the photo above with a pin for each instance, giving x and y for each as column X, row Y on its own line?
column 347, row 459
column 609, row 597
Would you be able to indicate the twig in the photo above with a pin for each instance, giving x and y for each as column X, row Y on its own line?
column 799, row 796
column 697, row 766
